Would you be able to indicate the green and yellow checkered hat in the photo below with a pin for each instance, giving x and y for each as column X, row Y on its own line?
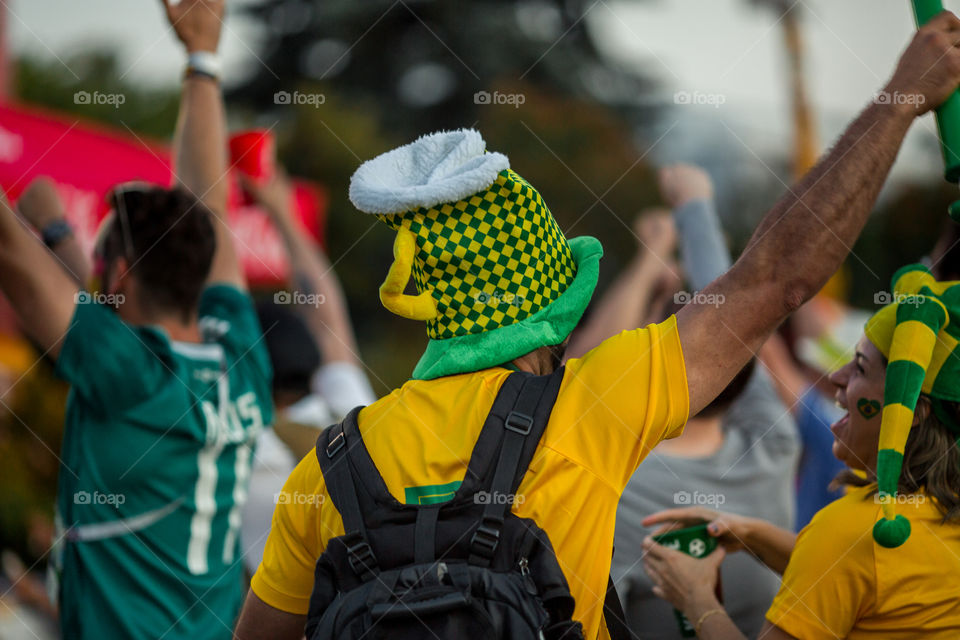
column 495, row 276
column 918, row 333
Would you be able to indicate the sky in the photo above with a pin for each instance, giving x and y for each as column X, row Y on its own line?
column 727, row 48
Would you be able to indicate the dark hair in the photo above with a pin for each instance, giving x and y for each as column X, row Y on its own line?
column 947, row 252
column 168, row 240
column 732, row 391
column 293, row 353
column 931, row 461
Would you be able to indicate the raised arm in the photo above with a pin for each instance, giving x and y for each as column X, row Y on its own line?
column 626, row 302
column 40, row 205
column 200, row 143
column 810, row 230
column 40, row 291
column 323, row 306
column 689, row 192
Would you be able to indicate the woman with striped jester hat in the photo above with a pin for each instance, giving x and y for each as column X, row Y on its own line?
column 882, row 561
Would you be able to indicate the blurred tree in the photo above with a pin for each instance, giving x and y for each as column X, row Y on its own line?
column 427, row 60
column 50, row 83
column 527, row 74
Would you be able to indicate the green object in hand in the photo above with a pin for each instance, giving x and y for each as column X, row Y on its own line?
column 693, row 541
column 948, row 114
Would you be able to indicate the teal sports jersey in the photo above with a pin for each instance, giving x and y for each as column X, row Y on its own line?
column 157, row 451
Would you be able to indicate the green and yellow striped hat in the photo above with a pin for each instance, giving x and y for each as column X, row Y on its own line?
column 495, row 276
column 918, row 333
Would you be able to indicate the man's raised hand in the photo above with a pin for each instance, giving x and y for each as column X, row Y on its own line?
column 683, row 183
column 40, row 204
column 196, row 22
column 929, row 70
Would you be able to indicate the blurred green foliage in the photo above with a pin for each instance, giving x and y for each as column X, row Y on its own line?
column 31, row 428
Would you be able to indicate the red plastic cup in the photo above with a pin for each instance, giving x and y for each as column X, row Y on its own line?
column 252, row 153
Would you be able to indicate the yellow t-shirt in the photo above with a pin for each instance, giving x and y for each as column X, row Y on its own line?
column 842, row 584
column 614, row 405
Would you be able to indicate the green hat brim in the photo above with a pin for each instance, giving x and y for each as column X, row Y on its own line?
column 548, row 326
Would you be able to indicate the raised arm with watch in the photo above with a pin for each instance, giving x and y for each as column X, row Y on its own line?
column 42, row 208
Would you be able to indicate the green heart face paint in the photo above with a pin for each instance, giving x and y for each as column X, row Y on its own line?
column 868, row 408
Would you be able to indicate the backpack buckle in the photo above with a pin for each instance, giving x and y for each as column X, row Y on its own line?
column 484, row 541
column 336, row 444
column 361, row 558
column 518, row 422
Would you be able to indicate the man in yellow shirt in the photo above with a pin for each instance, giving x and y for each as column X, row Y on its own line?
column 501, row 288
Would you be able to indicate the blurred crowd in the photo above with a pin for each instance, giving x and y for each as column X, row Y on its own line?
column 196, row 405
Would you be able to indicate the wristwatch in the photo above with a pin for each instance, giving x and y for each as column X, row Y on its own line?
column 203, row 63
column 55, row 232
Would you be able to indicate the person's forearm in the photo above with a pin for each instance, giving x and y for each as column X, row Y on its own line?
column 623, row 306
column 810, row 230
column 200, row 152
column 200, row 143
column 711, row 620
column 720, row 627
column 327, row 319
column 702, row 247
column 770, row 544
column 73, row 259
column 41, row 293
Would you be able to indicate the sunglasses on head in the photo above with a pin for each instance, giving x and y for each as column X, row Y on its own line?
column 121, row 199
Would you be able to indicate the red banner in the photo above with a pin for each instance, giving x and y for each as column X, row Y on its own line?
column 87, row 160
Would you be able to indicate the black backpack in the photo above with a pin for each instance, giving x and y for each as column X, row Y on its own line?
column 465, row 568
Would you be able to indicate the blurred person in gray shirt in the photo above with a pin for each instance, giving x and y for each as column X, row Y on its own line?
column 738, row 454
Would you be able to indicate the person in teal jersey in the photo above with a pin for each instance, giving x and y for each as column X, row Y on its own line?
column 170, row 385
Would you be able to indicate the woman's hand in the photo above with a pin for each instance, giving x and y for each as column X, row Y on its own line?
column 732, row 531
column 767, row 542
column 688, row 583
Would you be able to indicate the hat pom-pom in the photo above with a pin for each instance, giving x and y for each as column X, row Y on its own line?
column 891, row 533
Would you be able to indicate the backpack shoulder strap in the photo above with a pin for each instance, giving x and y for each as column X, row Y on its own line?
column 613, row 615
column 332, row 450
column 520, row 420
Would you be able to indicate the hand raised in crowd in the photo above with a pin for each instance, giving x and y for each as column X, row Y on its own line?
column 40, row 204
column 927, row 72
column 656, row 232
column 196, row 22
column 683, row 183
column 275, row 195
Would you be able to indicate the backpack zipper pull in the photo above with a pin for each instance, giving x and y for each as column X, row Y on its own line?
column 527, row 580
